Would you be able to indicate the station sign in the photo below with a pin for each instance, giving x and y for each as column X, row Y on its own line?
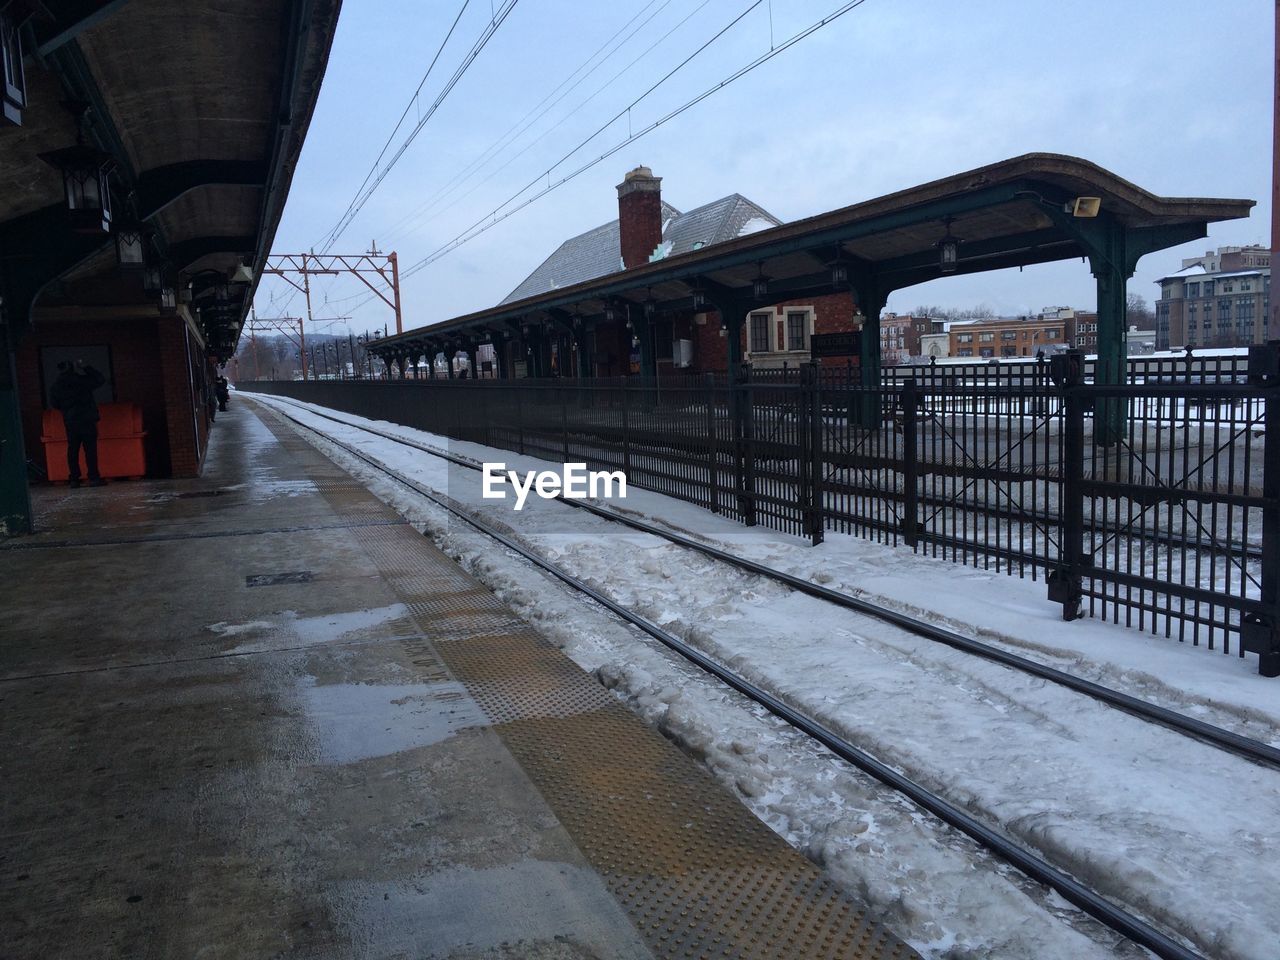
column 844, row 344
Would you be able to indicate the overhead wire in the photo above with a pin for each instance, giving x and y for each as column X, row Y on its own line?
column 432, row 202
column 370, row 188
column 412, row 100
column 496, row 216
column 365, row 190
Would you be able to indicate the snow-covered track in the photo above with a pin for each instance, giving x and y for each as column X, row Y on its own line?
column 1131, row 926
column 1217, row 736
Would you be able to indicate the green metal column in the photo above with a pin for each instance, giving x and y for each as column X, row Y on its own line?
column 1113, row 253
column 734, row 316
column 648, row 361
column 870, row 298
column 15, row 499
column 581, row 339
column 1111, row 413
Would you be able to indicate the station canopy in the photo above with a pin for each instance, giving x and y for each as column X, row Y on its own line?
column 201, row 110
column 1013, row 213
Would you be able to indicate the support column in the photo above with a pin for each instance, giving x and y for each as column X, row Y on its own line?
column 643, row 331
column 15, row 499
column 581, row 338
column 449, row 351
column 870, row 297
column 501, row 360
column 1110, row 413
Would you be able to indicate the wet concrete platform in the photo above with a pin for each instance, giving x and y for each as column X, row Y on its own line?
column 258, row 715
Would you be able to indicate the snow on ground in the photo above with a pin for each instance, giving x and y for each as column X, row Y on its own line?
column 1177, row 830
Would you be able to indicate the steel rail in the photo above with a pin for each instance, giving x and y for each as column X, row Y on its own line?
column 1246, row 747
column 1100, row 908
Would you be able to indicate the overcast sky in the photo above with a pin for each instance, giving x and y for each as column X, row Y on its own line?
column 1173, row 95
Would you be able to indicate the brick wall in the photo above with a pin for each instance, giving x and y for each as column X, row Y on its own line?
column 832, row 313
column 136, row 360
column 181, row 367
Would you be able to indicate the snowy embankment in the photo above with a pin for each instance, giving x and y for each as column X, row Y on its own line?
column 1175, row 829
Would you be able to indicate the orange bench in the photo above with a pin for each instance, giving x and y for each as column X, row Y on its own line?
column 120, row 443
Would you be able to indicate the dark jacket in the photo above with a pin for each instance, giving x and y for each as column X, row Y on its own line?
column 72, row 393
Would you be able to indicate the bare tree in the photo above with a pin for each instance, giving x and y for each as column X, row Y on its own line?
column 1139, row 314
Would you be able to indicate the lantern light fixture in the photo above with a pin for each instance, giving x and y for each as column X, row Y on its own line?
column 85, row 169
column 131, row 246
column 948, row 250
column 153, row 278
column 13, row 85
column 699, row 297
column 609, row 314
column 839, row 273
column 760, row 285
column 168, row 300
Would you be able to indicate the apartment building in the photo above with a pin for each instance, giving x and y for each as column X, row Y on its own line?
column 1219, row 299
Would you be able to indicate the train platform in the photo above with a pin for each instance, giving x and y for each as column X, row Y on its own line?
column 257, row 714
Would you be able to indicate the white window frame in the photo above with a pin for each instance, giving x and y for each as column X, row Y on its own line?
column 780, row 349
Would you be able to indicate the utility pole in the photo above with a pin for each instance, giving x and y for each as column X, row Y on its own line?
column 378, row 271
column 289, row 327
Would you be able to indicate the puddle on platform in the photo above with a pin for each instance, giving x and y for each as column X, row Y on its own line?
column 288, row 629
column 465, row 909
column 358, row 721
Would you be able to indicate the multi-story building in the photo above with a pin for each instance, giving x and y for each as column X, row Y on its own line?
column 1008, row 336
column 1217, row 300
column 900, row 337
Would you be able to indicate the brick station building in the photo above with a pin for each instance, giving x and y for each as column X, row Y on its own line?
column 649, row 229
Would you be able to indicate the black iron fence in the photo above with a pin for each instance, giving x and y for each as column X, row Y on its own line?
column 1155, row 503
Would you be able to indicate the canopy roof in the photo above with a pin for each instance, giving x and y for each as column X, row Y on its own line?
column 1010, row 213
column 203, row 109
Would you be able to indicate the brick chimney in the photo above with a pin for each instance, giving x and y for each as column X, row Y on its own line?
column 639, row 216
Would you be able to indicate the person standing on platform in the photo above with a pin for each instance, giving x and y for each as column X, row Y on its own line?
column 72, row 394
column 224, row 393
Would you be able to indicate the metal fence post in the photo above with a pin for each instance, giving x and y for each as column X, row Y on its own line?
column 626, row 434
column 743, row 454
column 910, row 464
column 1066, row 580
column 713, row 456
column 564, row 424
column 817, row 515
column 1260, row 633
column 519, row 405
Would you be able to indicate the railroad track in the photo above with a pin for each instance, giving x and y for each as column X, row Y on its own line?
column 1219, row 737
column 1037, row 868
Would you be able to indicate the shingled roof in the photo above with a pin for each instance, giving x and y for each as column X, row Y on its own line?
column 597, row 252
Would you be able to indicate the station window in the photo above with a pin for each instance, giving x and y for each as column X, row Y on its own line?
column 798, row 330
column 760, row 323
column 986, row 337
column 964, row 338
column 1193, row 289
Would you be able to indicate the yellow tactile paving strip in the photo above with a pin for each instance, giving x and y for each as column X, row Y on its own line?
column 698, row 875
